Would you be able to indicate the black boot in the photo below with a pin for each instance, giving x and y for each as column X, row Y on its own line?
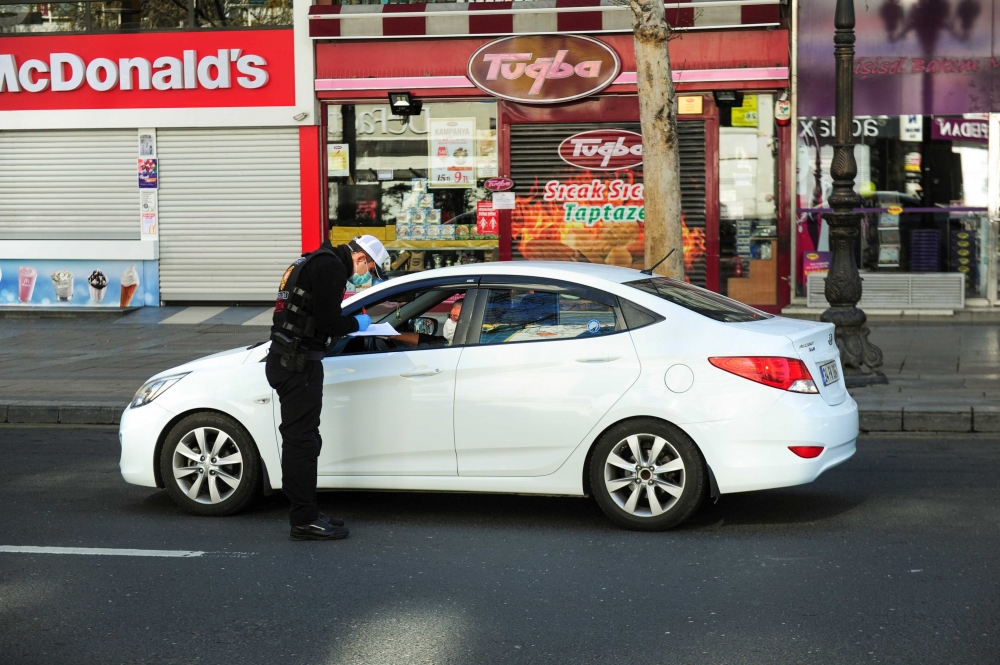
column 319, row 530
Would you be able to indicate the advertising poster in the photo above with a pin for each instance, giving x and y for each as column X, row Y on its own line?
column 148, row 173
column 487, row 218
column 338, row 158
column 487, row 159
column 587, row 204
column 148, row 212
column 746, row 115
column 72, row 283
column 816, row 263
column 452, row 152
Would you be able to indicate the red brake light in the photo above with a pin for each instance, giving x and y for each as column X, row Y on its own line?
column 808, row 452
column 780, row 373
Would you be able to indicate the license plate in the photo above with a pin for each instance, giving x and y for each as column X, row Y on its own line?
column 829, row 372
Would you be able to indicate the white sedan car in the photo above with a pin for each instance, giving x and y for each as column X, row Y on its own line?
column 559, row 378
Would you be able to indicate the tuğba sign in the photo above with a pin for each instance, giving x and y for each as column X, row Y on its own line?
column 602, row 150
column 544, row 69
column 151, row 70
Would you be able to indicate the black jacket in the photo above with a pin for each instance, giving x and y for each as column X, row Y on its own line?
column 325, row 277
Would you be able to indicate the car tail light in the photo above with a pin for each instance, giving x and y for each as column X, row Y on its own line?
column 782, row 373
column 808, row 452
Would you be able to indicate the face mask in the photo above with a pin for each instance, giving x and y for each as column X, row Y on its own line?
column 361, row 280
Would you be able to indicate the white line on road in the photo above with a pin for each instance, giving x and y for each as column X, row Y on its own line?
column 99, row 551
column 262, row 319
column 193, row 315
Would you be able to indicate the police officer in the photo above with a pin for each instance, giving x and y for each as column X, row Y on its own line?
column 307, row 319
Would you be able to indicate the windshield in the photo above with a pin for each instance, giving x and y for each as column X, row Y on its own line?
column 706, row 303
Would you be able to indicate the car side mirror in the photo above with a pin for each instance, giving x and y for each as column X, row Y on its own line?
column 424, row 325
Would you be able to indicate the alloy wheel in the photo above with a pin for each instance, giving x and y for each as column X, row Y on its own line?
column 207, row 465
column 645, row 475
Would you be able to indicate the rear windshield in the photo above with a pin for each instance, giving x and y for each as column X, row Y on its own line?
column 706, row 303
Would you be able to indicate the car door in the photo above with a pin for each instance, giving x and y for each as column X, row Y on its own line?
column 543, row 363
column 387, row 408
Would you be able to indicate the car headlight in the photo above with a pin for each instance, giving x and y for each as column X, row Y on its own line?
column 153, row 389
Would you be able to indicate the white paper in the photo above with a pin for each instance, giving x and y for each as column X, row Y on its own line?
column 376, row 330
column 504, row 200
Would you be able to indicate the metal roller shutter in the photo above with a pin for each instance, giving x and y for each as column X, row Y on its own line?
column 534, row 158
column 229, row 207
column 69, row 185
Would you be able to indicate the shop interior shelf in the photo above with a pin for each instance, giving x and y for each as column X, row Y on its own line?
column 442, row 244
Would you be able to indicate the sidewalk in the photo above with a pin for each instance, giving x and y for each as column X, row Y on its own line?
column 943, row 377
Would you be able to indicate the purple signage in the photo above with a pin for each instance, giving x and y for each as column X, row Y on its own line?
column 926, row 57
column 960, row 129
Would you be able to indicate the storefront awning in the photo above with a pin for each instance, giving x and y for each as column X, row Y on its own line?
column 526, row 17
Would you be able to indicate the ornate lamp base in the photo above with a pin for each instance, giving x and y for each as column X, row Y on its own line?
column 856, row 352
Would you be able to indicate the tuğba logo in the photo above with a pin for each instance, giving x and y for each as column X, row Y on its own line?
column 65, row 72
column 543, row 69
column 602, row 150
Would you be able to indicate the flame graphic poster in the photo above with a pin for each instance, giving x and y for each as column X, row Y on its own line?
column 591, row 217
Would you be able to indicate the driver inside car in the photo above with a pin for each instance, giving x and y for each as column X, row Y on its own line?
column 414, row 339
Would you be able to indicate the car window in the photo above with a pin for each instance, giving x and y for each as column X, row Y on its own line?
column 706, row 303
column 528, row 315
column 425, row 318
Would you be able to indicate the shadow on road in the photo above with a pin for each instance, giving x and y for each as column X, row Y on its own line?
column 773, row 507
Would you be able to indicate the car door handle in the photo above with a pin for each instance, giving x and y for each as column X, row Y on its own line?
column 420, row 372
column 597, row 359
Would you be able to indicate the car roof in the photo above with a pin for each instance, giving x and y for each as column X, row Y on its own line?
column 552, row 269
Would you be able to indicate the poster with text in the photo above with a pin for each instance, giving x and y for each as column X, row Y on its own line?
column 452, row 152
column 585, row 202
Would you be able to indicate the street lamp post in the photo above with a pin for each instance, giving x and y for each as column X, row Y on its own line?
column 843, row 283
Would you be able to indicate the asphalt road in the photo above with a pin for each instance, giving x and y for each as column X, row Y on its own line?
column 892, row 557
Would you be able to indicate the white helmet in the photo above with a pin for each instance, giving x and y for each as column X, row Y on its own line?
column 375, row 250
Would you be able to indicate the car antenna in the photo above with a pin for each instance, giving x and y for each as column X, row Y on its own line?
column 649, row 271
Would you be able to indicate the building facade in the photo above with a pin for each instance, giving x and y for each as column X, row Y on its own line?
column 541, row 97
column 925, row 97
column 145, row 166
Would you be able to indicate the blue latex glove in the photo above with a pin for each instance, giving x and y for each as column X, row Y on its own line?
column 363, row 321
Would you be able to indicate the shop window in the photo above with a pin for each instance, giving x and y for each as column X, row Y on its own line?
column 922, row 180
column 748, row 230
column 416, row 182
column 132, row 15
column 524, row 315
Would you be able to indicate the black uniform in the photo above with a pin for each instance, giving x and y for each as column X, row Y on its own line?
column 307, row 317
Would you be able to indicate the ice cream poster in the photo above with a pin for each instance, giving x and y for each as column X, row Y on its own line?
column 452, row 152
column 74, row 283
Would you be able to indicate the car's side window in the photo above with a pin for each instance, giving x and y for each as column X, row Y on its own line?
column 424, row 318
column 529, row 315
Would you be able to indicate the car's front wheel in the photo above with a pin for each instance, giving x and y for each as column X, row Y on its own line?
column 210, row 465
column 647, row 475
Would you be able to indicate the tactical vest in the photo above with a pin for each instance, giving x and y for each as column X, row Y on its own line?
column 293, row 321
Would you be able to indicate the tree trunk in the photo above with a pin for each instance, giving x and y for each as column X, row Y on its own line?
column 658, row 115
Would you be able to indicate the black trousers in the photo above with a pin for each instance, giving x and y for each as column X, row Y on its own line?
column 301, row 397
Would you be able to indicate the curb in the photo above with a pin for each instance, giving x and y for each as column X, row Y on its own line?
column 64, row 413
column 898, row 419
column 952, row 419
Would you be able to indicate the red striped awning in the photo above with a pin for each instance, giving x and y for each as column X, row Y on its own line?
column 455, row 19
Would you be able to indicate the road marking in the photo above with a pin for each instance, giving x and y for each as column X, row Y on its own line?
column 193, row 315
column 99, row 551
column 262, row 319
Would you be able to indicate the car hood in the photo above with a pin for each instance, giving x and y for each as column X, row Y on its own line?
column 222, row 359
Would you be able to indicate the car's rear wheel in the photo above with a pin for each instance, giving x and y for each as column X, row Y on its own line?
column 210, row 465
column 647, row 475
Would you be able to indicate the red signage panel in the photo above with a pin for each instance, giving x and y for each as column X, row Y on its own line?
column 148, row 70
